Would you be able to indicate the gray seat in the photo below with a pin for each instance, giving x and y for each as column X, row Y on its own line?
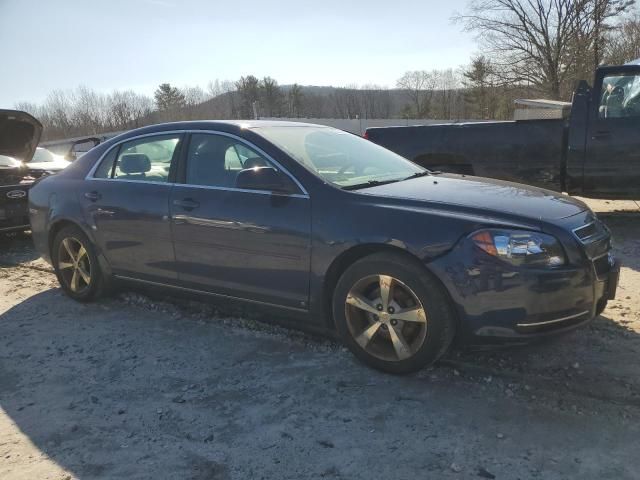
column 207, row 164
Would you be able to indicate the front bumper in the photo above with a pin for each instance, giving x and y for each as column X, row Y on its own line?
column 14, row 217
column 498, row 303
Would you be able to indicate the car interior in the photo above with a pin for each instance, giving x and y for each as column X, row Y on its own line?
column 134, row 166
column 216, row 163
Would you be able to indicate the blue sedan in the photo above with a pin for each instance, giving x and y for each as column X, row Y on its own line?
column 349, row 237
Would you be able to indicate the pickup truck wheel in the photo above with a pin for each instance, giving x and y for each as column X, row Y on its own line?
column 392, row 313
column 76, row 265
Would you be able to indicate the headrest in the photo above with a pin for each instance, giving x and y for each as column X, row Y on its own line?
column 134, row 163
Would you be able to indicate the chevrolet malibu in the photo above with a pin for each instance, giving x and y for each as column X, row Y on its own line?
column 350, row 238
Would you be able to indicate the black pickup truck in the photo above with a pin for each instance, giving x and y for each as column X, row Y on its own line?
column 595, row 152
column 19, row 136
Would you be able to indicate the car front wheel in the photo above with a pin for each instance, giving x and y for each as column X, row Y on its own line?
column 392, row 313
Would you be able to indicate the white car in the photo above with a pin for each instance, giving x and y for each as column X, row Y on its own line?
column 45, row 160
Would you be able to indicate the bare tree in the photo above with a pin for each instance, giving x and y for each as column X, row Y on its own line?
column 193, row 96
column 127, row 109
column 375, row 101
column 248, row 89
column 623, row 43
column 295, row 100
column 448, row 86
column 541, row 41
column 58, row 107
column 419, row 85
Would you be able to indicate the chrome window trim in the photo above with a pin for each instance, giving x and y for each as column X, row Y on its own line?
column 129, row 181
column 245, row 190
column 93, row 169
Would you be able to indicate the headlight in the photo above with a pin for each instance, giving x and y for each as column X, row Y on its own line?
column 520, row 247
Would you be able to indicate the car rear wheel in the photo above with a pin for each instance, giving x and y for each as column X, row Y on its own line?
column 392, row 313
column 76, row 265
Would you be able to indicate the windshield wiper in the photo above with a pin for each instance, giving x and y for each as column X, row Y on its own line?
column 370, row 183
column 418, row 174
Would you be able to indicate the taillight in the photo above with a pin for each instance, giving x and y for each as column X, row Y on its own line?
column 366, row 135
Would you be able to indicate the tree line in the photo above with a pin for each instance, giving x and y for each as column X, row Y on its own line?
column 531, row 49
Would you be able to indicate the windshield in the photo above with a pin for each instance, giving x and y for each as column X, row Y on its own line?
column 42, row 155
column 8, row 161
column 341, row 158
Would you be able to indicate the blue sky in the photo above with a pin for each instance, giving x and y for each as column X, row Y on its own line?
column 109, row 44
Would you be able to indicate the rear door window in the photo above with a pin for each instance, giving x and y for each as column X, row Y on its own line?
column 147, row 159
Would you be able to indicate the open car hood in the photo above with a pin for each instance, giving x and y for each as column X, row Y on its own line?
column 19, row 134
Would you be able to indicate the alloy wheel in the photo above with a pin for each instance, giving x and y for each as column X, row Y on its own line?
column 74, row 265
column 386, row 318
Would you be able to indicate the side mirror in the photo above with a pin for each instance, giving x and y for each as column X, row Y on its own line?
column 263, row 178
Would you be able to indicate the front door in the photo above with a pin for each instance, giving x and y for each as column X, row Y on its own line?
column 253, row 245
column 612, row 161
column 126, row 204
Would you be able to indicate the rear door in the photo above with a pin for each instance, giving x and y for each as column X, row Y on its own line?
column 612, row 159
column 126, row 203
column 249, row 244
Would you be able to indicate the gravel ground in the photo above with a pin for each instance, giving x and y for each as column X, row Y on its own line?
column 133, row 387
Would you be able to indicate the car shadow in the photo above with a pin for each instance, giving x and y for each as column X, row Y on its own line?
column 113, row 390
column 17, row 248
column 597, row 361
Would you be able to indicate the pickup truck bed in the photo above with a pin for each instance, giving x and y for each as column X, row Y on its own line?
column 531, row 151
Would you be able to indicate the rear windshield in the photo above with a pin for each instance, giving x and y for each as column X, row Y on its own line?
column 42, row 155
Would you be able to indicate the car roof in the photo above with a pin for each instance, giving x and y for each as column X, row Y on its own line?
column 223, row 125
column 247, row 123
column 227, row 126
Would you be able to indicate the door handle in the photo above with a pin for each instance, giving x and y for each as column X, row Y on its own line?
column 601, row 135
column 93, row 196
column 186, row 203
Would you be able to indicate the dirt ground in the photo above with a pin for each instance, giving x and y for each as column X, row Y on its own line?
column 133, row 387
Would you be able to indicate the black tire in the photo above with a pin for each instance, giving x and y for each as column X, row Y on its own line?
column 440, row 323
column 97, row 286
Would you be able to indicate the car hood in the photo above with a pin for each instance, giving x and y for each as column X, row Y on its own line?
column 19, row 134
column 485, row 194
